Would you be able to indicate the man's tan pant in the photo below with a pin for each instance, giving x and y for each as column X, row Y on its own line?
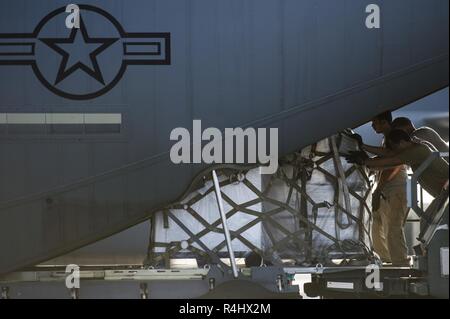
column 388, row 230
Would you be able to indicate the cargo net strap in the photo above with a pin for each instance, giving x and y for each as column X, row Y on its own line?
column 314, row 210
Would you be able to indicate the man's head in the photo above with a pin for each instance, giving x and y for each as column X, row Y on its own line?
column 382, row 123
column 398, row 140
column 404, row 124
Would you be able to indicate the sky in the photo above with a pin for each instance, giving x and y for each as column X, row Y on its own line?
column 432, row 111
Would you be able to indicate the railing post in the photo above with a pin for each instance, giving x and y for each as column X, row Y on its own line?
column 225, row 224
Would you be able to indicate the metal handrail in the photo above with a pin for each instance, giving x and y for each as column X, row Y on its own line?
column 414, row 183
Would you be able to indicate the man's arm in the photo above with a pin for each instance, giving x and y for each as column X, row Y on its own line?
column 379, row 151
column 383, row 162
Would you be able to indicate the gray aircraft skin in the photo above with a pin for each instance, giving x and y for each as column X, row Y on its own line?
column 309, row 68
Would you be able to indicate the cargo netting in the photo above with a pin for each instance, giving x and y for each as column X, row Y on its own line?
column 315, row 210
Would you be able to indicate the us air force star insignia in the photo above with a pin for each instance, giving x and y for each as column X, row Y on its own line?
column 83, row 63
column 98, row 46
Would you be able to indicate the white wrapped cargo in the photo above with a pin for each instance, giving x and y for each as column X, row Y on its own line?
column 327, row 206
column 314, row 209
column 199, row 210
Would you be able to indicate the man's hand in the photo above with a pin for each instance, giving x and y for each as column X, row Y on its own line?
column 357, row 158
column 357, row 138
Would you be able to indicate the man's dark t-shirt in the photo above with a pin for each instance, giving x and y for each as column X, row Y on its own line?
column 435, row 176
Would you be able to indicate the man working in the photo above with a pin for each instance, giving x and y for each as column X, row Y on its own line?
column 426, row 134
column 406, row 151
column 389, row 202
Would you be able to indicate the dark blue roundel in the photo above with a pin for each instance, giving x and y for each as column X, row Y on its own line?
column 86, row 62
